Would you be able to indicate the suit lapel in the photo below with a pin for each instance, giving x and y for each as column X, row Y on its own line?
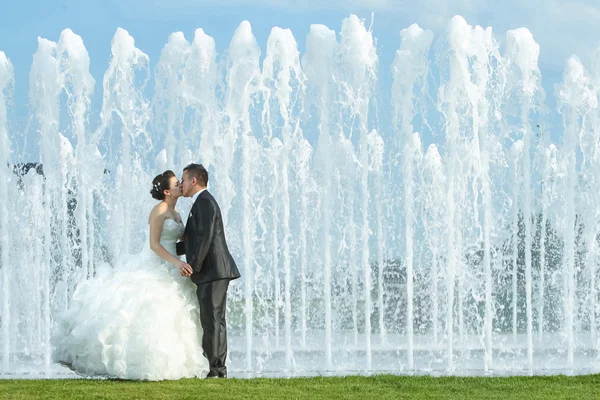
column 194, row 210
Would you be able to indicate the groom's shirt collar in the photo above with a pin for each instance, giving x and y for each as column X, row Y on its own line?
column 194, row 197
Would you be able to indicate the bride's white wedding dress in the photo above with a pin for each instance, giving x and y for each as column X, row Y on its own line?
column 138, row 321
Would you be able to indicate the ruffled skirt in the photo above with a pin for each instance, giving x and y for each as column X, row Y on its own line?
column 139, row 321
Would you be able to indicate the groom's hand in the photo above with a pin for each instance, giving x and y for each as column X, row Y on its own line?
column 185, row 269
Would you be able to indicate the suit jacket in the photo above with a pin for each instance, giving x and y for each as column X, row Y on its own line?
column 205, row 245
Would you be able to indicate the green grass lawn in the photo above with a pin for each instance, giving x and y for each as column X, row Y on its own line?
column 376, row 387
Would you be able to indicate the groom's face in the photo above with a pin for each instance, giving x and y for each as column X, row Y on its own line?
column 187, row 184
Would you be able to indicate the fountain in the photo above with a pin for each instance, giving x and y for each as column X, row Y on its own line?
column 398, row 236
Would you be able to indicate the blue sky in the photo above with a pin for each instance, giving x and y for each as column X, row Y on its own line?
column 562, row 27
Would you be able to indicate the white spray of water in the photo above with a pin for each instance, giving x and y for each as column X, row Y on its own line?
column 483, row 49
column 284, row 84
column 6, row 83
column 433, row 211
column 358, row 67
column 123, row 97
column 548, row 171
column 243, row 75
column 589, row 143
column 199, row 84
column 523, row 51
column 303, row 162
column 376, row 152
column 576, row 98
column 44, row 99
column 169, row 95
column 410, row 69
column 463, row 102
column 516, row 155
column 74, row 64
column 317, row 63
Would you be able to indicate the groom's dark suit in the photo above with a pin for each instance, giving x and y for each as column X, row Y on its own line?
column 206, row 251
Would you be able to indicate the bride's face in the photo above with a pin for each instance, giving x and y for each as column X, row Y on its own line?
column 174, row 187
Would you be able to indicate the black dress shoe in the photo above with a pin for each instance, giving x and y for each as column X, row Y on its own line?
column 212, row 374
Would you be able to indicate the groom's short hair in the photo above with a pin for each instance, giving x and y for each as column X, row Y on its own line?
column 199, row 172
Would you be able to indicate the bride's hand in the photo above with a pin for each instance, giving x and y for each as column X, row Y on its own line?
column 185, row 269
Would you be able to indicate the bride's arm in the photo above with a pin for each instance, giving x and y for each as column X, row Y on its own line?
column 156, row 221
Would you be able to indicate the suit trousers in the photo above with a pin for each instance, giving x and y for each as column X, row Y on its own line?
column 212, row 297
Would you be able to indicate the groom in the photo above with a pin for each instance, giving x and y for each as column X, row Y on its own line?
column 213, row 267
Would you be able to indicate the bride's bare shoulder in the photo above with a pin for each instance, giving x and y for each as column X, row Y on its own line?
column 158, row 213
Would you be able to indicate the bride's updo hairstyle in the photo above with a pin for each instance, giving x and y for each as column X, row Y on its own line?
column 160, row 184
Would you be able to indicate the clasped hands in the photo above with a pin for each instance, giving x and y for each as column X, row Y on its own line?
column 185, row 269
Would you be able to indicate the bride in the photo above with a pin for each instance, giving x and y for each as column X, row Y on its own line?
column 140, row 321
